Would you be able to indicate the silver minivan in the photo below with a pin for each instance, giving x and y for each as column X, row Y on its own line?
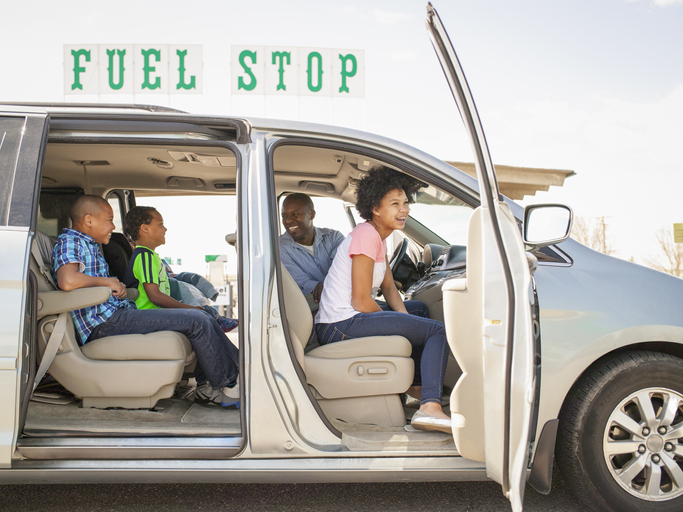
column 558, row 352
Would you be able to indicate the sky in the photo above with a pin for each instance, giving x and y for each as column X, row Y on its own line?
column 593, row 86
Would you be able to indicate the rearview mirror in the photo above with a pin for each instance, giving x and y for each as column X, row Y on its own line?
column 546, row 224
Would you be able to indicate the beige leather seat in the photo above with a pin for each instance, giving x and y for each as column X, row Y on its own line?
column 357, row 380
column 131, row 371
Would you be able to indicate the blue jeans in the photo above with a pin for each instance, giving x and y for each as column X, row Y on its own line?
column 428, row 338
column 413, row 307
column 217, row 358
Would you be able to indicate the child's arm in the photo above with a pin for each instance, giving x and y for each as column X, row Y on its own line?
column 69, row 278
column 159, row 298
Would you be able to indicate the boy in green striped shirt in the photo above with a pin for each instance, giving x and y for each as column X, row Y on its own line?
column 147, row 272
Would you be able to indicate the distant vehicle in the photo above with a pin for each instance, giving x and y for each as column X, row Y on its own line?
column 602, row 389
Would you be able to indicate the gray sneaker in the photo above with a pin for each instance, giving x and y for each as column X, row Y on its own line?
column 226, row 397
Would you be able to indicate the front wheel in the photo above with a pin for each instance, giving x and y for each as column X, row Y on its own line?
column 620, row 444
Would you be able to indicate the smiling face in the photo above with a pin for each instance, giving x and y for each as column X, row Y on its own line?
column 391, row 213
column 297, row 219
column 154, row 233
column 100, row 223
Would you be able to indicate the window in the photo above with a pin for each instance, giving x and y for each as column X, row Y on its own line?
column 11, row 133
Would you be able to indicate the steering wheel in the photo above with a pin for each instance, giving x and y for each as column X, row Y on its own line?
column 398, row 256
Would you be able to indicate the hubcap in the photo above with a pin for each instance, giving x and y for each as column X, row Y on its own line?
column 643, row 444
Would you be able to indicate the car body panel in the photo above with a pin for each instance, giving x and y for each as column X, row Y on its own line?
column 23, row 132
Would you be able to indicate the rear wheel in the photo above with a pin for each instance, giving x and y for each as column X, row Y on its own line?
column 620, row 444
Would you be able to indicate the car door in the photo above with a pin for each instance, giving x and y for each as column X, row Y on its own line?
column 22, row 136
column 488, row 315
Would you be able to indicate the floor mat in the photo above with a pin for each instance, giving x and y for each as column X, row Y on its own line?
column 170, row 417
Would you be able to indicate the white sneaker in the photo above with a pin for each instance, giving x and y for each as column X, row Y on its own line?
column 231, row 396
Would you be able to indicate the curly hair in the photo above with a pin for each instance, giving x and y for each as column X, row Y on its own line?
column 136, row 217
column 378, row 183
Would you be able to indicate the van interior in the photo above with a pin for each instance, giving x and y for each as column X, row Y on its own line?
column 142, row 385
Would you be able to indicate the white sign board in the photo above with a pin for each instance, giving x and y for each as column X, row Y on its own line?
column 284, row 71
column 133, row 69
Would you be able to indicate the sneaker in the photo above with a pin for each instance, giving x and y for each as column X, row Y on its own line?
column 231, row 396
column 226, row 397
column 227, row 324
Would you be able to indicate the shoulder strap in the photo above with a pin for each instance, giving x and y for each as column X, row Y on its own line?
column 51, row 348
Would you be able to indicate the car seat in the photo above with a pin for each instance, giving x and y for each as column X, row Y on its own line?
column 356, row 380
column 131, row 371
column 117, row 253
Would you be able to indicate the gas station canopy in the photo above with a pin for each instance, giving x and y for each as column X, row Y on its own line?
column 517, row 182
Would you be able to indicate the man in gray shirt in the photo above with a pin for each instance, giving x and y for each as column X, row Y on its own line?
column 305, row 250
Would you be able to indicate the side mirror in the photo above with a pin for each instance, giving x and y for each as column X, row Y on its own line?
column 546, row 224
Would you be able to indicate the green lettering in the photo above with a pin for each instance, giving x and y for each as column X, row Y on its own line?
column 77, row 54
column 181, row 72
column 345, row 72
column 309, row 72
column 281, row 56
column 146, row 84
column 110, row 54
column 241, row 84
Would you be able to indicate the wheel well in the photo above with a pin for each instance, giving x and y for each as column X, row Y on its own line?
column 664, row 347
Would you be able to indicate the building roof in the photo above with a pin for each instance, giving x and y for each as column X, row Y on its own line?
column 517, row 182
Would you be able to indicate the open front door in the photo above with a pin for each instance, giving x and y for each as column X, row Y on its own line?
column 488, row 315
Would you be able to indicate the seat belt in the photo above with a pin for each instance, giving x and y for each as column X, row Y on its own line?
column 51, row 349
column 57, row 334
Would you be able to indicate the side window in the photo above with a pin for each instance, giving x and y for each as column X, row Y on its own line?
column 11, row 130
column 53, row 215
column 116, row 205
column 330, row 213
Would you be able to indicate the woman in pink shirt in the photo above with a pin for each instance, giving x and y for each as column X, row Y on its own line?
column 348, row 308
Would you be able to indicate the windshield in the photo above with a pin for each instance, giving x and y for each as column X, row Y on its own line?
column 442, row 213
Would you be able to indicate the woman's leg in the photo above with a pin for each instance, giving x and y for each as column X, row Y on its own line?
column 428, row 338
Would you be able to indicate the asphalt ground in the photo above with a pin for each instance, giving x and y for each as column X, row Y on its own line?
column 408, row 497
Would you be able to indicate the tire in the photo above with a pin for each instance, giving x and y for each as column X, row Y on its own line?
column 643, row 468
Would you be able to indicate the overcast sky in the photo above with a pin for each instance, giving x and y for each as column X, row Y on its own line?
column 594, row 86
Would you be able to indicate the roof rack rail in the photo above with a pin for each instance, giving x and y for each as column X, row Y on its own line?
column 129, row 106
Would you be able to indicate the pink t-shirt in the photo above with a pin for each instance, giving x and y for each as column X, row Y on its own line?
column 335, row 303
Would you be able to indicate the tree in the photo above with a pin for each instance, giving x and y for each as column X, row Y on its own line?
column 592, row 232
column 671, row 261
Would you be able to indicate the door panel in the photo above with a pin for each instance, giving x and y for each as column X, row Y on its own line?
column 22, row 136
column 495, row 393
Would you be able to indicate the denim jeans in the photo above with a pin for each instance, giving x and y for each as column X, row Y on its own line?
column 428, row 338
column 413, row 307
column 217, row 357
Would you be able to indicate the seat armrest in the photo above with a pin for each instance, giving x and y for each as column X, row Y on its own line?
column 58, row 301
column 396, row 346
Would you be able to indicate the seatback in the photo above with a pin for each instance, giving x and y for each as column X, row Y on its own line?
column 117, row 253
column 43, row 244
column 354, row 380
column 298, row 315
column 130, row 371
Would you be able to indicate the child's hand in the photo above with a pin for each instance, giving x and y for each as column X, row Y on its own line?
column 118, row 289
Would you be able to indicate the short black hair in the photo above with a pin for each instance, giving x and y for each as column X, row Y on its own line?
column 86, row 205
column 136, row 217
column 304, row 199
column 379, row 182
